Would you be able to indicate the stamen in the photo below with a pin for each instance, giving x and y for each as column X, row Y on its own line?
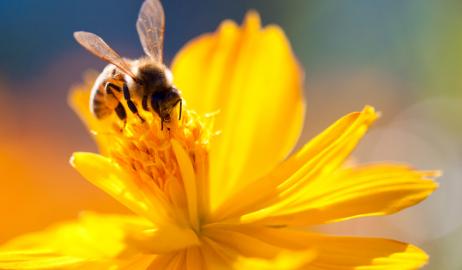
column 146, row 153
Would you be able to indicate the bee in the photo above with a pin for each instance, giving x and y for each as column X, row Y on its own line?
column 147, row 80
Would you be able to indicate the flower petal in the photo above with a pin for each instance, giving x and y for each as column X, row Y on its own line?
column 365, row 253
column 235, row 242
column 162, row 262
column 283, row 261
column 79, row 100
column 250, row 76
column 36, row 259
column 194, row 258
column 334, row 252
column 226, row 248
column 189, row 180
column 109, row 177
column 138, row 262
column 370, row 190
column 92, row 240
column 322, row 155
column 189, row 258
column 163, row 239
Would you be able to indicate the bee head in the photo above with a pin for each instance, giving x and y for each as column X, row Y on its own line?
column 164, row 102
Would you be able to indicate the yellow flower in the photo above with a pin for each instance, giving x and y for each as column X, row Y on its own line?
column 229, row 199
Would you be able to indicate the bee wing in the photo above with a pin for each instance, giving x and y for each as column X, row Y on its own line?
column 151, row 26
column 98, row 47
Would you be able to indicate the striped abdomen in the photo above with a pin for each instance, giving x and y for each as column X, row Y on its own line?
column 102, row 101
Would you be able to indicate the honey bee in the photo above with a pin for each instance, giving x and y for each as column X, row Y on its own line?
column 147, row 80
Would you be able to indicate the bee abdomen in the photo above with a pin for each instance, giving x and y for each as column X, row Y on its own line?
column 98, row 104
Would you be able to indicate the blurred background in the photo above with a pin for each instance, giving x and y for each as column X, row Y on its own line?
column 403, row 57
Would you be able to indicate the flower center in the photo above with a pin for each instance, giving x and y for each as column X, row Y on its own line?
column 146, row 152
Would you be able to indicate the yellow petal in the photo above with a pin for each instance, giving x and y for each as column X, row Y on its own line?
column 172, row 261
column 93, row 239
column 322, row 155
column 189, row 180
column 194, row 258
column 365, row 254
column 109, row 177
column 241, row 244
column 250, row 76
column 162, row 262
column 138, row 262
column 189, row 258
column 332, row 252
column 239, row 249
column 283, row 261
column 215, row 257
column 370, row 190
column 79, row 100
column 37, row 259
column 161, row 240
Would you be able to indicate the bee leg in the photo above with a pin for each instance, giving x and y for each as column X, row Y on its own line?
column 144, row 103
column 110, row 88
column 134, row 110
column 131, row 105
column 120, row 111
column 157, row 105
column 111, row 97
column 181, row 109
